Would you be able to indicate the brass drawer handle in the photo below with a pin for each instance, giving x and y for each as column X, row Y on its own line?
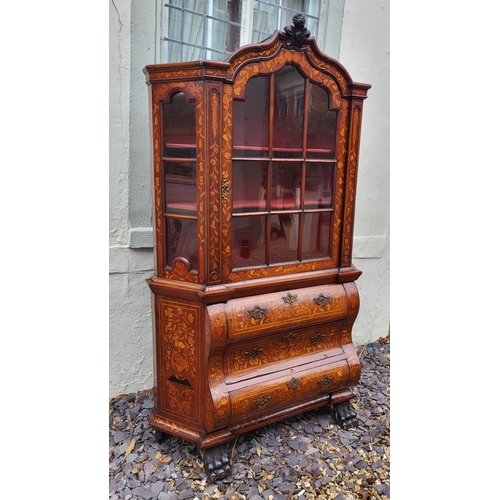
column 316, row 339
column 254, row 353
column 321, row 300
column 325, row 381
column 257, row 312
column 262, row 401
column 289, row 299
column 294, row 383
column 289, row 337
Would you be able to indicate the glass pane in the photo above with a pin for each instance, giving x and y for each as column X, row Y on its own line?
column 195, row 5
column 316, row 235
column 288, row 113
column 321, row 125
column 173, row 19
column 249, row 241
column 172, row 51
column 215, row 34
column 310, row 7
column 312, row 25
column 249, row 186
column 219, row 9
column 296, row 5
column 193, row 28
column 251, row 120
column 319, row 185
column 286, row 186
column 190, row 53
column 182, row 240
column 180, row 188
column 179, row 128
column 284, row 238
column 261, row 17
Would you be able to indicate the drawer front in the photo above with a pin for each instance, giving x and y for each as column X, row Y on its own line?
column 279, row 311
column 250, row 358
column 294, row 388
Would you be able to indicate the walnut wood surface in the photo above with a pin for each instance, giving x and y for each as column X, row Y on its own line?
column 236, row 348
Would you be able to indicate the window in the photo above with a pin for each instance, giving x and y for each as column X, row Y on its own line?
column 211, row 29
column 195, row 30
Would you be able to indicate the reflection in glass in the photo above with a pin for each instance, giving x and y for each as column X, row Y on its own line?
column 288, row 113
column 179, row 127
column 251, row 120
column 249, row 186
column 182, row 240
column 320, row 125
column 319, row 185
column 284, row 238
column 286, row 186
column 180, row 187
column 316, row 235
column 249, row 241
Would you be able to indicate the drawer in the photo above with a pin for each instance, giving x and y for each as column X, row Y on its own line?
column 294, row 388
column 279, row 311
column 255, row 357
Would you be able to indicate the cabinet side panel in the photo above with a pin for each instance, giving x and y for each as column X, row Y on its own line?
column 226, row 181
column 351, row 180
column 179, row 389
column 339, row 179
column 213, row 181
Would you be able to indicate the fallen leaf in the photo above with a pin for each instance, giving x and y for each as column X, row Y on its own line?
column 130, row 447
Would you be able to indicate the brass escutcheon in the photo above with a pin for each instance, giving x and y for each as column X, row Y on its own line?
column 254, row 353
column 257, row 312
column 325, row 381
column 316, row 339
column 321, row 300
column 262, row 401
column 294, row 383
column 289, row 299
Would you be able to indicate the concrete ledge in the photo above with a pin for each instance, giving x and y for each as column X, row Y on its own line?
column 141, row 237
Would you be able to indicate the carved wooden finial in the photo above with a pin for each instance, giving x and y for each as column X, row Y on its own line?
column 298, row 33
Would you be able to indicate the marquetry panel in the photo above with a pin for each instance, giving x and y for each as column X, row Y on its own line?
column 179, row 365
column 257, row 315
column 288, row 390
column 245, row 359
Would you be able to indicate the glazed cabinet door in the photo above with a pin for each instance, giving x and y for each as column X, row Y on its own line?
column 284, row 175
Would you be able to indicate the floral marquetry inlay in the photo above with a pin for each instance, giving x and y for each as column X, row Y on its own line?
column 254, row 181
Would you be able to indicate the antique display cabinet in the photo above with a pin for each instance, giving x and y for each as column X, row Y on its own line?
column 254, row 164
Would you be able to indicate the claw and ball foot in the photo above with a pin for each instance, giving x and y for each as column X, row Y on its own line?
column 160, row 436
column 217, row 462
column 344, row 415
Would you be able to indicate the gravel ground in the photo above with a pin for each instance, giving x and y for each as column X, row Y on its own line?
column 303, row 457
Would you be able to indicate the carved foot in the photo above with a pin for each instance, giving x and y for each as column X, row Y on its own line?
column 344, row 415
column 160, row 436
column 216, row 461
